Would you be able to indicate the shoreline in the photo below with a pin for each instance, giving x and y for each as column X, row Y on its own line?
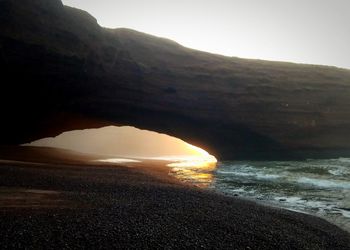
column 80, row 204
column 275, row 206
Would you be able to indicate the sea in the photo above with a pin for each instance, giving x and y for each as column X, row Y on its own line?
column 316, row 187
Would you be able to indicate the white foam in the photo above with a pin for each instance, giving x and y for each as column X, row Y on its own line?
column 336, row 172
column 256, row 175
column 339, row 171
column 235, row 173
column 238, row 190
column 324, row 183
column 345, row 160
column 292, row 199
column 345, row 213
column 262, row 176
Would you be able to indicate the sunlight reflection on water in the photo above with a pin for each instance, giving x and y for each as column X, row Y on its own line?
column 196, row 170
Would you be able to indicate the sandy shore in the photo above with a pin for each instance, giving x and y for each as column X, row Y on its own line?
column 59, row 199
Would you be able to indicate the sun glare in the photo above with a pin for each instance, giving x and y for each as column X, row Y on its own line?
column 196, row 150
column 198, row 158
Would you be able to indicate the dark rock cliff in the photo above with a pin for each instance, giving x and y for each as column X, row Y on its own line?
column 58, row 65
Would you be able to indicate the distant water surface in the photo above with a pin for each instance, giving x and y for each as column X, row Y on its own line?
column 318, row 187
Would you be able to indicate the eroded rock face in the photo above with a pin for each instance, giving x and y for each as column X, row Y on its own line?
column 58, row 65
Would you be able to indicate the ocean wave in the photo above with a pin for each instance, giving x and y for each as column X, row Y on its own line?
column 320, row 187
column 345, row 213
column 324, row 183
column 338, row 172
column 345, row 160
column 256, row 175
column 234, row 173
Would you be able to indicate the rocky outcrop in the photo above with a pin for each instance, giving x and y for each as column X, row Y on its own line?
column 58, row 65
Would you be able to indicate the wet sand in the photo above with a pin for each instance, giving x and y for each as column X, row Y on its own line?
column 59, row 199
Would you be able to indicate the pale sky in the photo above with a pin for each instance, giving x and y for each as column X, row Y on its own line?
column 305, row 31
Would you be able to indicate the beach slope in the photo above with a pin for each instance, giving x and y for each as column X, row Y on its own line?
column 62, row 203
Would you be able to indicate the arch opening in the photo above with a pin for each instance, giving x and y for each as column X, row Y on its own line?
column 128, row 144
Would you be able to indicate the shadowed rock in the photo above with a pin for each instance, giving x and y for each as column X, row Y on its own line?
column 59, row 68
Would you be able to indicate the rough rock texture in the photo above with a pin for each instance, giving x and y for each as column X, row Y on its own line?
column 58, row 64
